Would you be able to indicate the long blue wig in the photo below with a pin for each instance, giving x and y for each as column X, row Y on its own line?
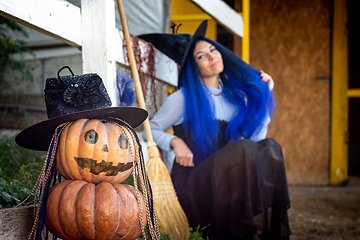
column 242, row 86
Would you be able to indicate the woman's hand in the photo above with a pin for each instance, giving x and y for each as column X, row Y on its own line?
column 183, row 154
column 268, row 79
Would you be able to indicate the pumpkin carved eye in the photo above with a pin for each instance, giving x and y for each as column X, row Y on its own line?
column 91, row 136
column 123, row 142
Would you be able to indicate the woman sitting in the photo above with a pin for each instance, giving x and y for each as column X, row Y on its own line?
column 230, row 179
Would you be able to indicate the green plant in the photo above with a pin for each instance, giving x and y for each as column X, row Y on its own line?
column 195, row 234
column 12, row 193
column 130, row 181
column 8, row 47
column 19, row 163
column 19, row 170
column 166, row 237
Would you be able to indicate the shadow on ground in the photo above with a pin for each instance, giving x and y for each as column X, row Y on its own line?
column 329, row 213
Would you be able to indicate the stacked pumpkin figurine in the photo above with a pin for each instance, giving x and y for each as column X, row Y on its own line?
column 91, row 204
column 94, row 150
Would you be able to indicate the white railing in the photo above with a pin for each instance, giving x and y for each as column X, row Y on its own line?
column 91, row 29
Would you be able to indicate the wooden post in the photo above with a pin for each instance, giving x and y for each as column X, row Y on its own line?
column 246, row 37
column 98, row 42
column 339, row 85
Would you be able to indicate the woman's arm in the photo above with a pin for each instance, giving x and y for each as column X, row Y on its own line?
column 170, row 114
column 183, row 154
column 261, row 132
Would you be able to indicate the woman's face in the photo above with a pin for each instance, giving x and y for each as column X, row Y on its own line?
column 208, row 59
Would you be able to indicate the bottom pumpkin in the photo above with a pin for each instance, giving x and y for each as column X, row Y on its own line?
column 80, row 210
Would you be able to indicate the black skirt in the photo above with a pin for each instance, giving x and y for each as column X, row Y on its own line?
column 239, row 192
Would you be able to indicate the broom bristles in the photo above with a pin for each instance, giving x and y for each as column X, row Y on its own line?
column 171, row 218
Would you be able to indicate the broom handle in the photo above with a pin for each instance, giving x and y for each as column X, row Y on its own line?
column 134, row 71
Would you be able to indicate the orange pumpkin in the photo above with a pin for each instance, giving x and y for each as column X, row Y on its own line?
column 95, row 152
column 79, row 210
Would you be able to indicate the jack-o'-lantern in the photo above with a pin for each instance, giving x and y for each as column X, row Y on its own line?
column 77, row 209
column 94, row 156
column 95, row 152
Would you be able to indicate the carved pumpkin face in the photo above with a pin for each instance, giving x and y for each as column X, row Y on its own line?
column 93, row 151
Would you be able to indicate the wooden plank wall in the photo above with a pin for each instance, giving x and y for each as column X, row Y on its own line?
column 290, row 40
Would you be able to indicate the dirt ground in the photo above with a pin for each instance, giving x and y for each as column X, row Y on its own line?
column 331, row 212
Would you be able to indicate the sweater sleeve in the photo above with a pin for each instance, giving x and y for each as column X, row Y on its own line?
column 169, row 114
column 263, row 128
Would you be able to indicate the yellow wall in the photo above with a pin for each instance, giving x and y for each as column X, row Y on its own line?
column 190, row 16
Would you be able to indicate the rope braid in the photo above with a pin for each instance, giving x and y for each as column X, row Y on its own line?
column 42, row 186
column 140, row 172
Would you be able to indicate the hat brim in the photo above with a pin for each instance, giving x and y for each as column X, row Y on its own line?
column 167, row 43
column 38, row 136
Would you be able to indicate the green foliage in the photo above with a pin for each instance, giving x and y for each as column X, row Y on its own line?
column 195, row 234
column 8, row 47
column 12, row 193
column 130, row 181
column 19, row 167
column 166, row 237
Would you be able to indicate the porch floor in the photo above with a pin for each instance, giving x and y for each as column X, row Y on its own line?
column 327, row 213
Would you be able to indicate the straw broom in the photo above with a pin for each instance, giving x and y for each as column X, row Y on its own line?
column 170, row 215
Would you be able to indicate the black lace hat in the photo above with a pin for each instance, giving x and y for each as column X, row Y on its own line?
column 175, row 46
column 69, row 98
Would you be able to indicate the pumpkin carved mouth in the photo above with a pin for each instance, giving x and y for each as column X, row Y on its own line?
column 107, row 167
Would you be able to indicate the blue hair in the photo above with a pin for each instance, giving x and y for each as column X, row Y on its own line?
column 242, row 86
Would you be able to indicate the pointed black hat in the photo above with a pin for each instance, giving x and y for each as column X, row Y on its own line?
column 175, row 46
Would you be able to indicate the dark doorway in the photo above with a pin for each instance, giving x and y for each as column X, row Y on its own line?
column 224, row 37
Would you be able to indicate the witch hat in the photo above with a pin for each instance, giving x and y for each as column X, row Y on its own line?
column 176, row 46
column 69, row 98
